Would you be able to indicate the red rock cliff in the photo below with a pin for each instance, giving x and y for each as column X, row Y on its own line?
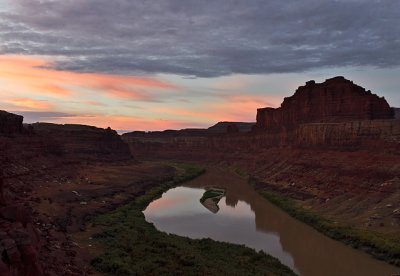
column 83, row 142
column 335, row 100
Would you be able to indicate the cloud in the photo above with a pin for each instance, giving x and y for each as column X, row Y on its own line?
column 203, row 38
column 42, row 116
column 127, row 122
column 229, row 108
column 27, row 103
column 33, row 74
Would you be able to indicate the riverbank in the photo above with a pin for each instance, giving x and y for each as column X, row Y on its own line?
column 128, row 244
column 376, row 244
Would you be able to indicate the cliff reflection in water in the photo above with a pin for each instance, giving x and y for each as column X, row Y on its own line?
column 211, row 198
column 246, row 218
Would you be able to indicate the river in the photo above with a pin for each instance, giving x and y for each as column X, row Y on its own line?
column 242, row 216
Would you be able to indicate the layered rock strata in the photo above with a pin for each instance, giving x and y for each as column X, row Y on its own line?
column 83, row 142
column 335, row 100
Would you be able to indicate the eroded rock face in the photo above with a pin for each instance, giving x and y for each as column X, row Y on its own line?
column 335, row 100
column 19, row 253
column 83, row 142
column 10, row 123
column 232, row 128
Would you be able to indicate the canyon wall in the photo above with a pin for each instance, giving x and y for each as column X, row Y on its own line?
column 335, row 114
column 381, row 135
column 335, row 100
column 82, row 142
column 335, row 149
column 27, row 154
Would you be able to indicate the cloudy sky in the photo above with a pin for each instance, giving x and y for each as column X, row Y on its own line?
column 137, row 64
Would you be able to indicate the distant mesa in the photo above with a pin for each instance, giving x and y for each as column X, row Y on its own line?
column 83, row 142
column 217, row 129
column 335, row 100
column 230, row 127
column 70, row 140
column 10, row 123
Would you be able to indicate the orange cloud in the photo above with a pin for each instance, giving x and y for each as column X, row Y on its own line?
column 125, row 122
column 237, row 107
column 29, row 104
column 34, row 86
column 232, row 108
column 33, row 75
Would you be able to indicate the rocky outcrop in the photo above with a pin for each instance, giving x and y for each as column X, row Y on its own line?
column 10, row 123
column 19, row 242
column 32, row 157
column 82, row 142
column 335, row 100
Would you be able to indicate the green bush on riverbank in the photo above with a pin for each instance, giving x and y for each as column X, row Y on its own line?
column 376, row 244
column 133, row 246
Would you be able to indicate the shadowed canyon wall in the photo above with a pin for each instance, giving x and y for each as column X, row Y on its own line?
column 27, row 154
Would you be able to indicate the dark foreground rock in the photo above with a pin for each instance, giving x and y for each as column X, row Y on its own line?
column 10, row 123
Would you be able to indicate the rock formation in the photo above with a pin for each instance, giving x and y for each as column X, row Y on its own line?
column 335, row 100
column 83, row 142
column 221, row 127
column 232, row 128
column 31, row 156
column 10, row 123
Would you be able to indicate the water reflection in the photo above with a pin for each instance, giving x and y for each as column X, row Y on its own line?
column 246, row 218
column 211, row 198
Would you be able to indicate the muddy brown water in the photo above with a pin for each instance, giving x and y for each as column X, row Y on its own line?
column 244, row 217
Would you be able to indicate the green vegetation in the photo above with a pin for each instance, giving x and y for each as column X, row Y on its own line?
column 242, row 173
column 376, row 244
column 215, row 194
column 133, row 246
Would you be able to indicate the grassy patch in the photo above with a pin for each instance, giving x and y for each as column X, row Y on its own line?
column 211, row 194
column 376, row 244
column 133, row 246
column 242, row 173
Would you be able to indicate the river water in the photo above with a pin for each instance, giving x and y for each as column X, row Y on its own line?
column 244, row 217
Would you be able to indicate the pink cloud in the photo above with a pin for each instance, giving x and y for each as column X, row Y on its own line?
column 29, row 104
column 34, row 76
column 124, row 122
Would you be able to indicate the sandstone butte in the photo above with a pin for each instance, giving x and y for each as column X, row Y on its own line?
column 335, row 100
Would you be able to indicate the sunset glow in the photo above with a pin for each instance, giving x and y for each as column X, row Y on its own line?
column 124, row 102
column 147, row 66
